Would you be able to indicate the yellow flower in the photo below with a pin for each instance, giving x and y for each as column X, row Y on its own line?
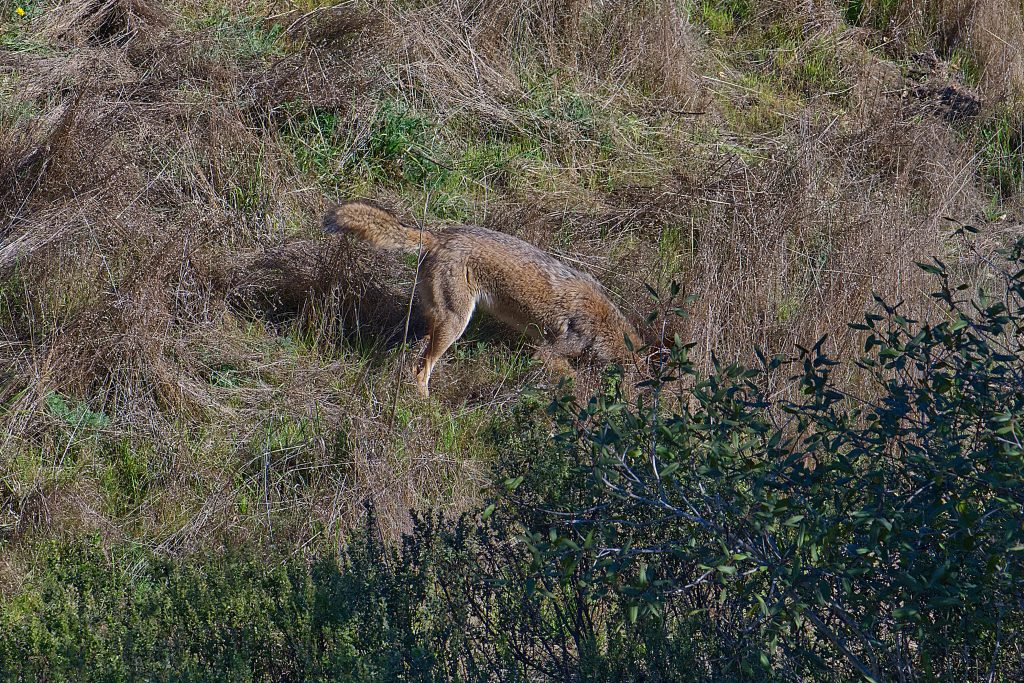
column 20, row 12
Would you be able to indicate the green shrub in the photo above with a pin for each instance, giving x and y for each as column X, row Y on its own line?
column 454, row 603
column 369, row 615
column 862, row 534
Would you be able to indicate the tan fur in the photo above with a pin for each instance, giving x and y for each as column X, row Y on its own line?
column 465, row 267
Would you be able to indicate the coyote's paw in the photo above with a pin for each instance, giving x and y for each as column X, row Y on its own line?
column 421, row 377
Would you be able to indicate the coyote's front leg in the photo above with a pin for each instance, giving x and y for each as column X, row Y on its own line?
column 555, row 357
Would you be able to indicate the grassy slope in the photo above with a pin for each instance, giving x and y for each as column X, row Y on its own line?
column 187, row 362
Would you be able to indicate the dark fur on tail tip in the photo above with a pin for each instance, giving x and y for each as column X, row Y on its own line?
column 331, row 220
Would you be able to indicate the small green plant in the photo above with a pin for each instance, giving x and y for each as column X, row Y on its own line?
column 17, row 12
column 15, row 18
column 247, row 196
column 226, row 376
column 75, row 414
column 966, row 64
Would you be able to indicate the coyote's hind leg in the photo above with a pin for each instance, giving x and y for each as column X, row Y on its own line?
column 448, row 312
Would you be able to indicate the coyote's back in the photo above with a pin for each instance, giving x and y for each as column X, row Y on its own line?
column 465, row 267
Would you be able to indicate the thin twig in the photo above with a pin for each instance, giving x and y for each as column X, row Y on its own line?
column 408, row 313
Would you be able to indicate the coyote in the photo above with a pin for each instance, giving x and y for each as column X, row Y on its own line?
column 464, row 267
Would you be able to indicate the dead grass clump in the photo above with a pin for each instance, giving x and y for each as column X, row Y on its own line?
column 940, row 91
column 810, row 17
column 126, row 351
column 329, row 28
column 301, row 83
column 530, row 220
column 787, row 249
column 334, row 289
column 481, row 57
column 328, row 66
column 103, row 22
column 993, row 31
column 918, row 156
column 648, row 44
column 996, row 35
column 32, row 148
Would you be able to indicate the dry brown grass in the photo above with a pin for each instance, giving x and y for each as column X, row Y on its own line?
column 227, row 373
column 104, row 23
column 991, row 31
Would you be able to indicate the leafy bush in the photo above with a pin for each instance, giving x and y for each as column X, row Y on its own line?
column 874, row 533
column 453, row 603
column 368, row 615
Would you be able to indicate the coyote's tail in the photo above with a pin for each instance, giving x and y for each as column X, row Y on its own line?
column 377, row 226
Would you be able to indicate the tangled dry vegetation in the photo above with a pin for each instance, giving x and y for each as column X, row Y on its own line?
column 187, row 361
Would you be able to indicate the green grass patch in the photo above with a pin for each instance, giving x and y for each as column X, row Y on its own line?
column 676, row 246
column 1000, row 143
column 245, row 191
column 874, row 13
column 13, row 111
column 289, row 453
column 963, row 61
column 129, row 470
column 722, row 17
column 240, row 35
column 757, row 106
column 589, row 141
column 398, row 148
column 820, row 67
column 575, row 141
